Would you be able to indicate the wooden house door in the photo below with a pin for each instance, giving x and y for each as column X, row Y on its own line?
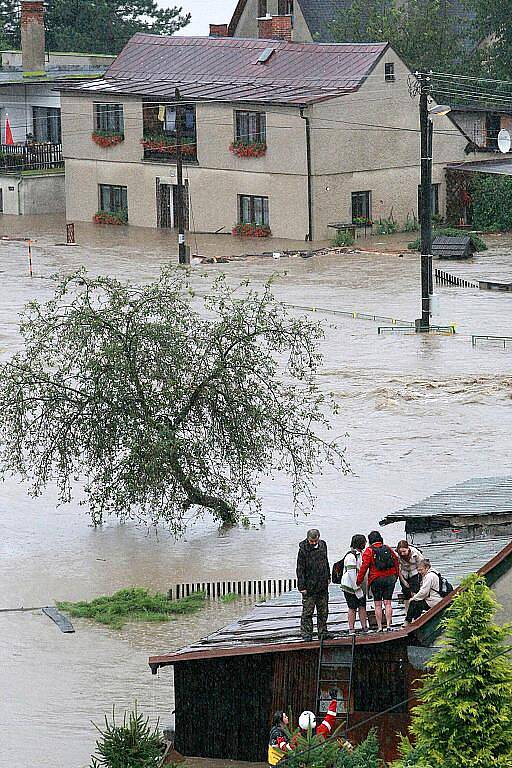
column 163, row 205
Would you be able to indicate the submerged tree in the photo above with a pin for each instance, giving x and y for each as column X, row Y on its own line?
column 162, row 403
column 464, row 719
column 134, row 743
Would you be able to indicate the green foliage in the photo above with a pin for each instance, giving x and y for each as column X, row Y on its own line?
column 411, row 223
column 492, row 202
column 387, row 226
column 133, row 744
column 94, row 26
column 312, row 751
column 135, row 604
column 365, row 755
column 492, row 18
column 230, row 597
column 426, row 33
column 476, row 241
column 464, row 719
column 162, row 402
column 342, row 239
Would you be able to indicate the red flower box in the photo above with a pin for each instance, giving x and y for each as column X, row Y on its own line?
column 251, row 230
column 103, row 217
column 248, row 148
column 168, row 146
column 106, row 139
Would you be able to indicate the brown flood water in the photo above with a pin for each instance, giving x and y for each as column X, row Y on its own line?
column 420, row 413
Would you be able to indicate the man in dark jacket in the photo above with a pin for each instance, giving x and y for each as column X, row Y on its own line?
column 313, row 577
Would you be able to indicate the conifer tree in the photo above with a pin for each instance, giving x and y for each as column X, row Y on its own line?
column 464, row 719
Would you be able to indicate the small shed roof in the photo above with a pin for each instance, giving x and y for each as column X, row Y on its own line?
column 227, row 69
column 274, row 626
column 498, row 167
column 476, row 497
column 445, row 247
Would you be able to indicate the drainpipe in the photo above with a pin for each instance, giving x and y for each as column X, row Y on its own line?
column 307, row 121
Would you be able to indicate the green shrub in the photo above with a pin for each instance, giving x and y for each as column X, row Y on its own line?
column 366, row 755
column 387, row 226
column 230, row 597
column 411, row 223
column 342, row 238
column 477, row 242
column 134, row 744
column 135, row 604
column 492, row 202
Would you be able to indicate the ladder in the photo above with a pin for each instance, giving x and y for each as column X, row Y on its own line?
column 345, row 681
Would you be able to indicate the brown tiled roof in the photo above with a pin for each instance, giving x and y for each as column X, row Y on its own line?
column 226, row 69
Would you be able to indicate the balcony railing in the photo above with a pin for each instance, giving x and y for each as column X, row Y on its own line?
column 163, row 148
column 15, row 158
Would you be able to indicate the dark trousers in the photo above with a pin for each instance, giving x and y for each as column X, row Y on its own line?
column 320, row 601
column 416, row 608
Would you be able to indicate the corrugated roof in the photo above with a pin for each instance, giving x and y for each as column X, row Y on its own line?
column 226, row 69
column 274, row 625
column 454, row 247
column 478, row 496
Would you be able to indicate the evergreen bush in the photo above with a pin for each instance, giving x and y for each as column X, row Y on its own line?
column 134, row 744
column 464, row 719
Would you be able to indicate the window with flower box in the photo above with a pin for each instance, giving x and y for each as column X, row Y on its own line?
column 361, row 206
column 250, row 134
column 113, row 199
column 253, row 210
column 159, row 140
column 109, row 117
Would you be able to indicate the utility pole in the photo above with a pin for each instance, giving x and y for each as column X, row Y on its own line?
column 180, row 213
column 426, row 128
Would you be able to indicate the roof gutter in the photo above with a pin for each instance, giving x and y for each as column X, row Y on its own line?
column 307, row 120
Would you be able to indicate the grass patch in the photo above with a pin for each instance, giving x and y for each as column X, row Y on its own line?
column 134, row 604
column 477, row 242
column 230, row 597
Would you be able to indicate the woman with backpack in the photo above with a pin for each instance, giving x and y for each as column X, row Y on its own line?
column 428, row 595
column 381, row 564
column 409, row 557
column 354, row 595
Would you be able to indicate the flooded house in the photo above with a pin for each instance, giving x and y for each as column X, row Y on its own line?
column 228, row 685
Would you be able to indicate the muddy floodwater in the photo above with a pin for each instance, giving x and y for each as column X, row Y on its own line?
column 419, row 413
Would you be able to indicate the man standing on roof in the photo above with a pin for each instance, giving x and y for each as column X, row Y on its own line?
column 313, row 577
column 382, row 566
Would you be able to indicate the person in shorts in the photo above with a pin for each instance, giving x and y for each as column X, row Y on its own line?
column 381, row 564
column 354, row 595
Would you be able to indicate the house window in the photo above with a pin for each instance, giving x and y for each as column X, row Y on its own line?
column 113, row 199
column 361, row 205
column 434, row 201
column 109, row 117
column 389, row 72
column 253, row 210
column 250, row 127
column 285, row 8
column 492, row 128
column 46, row 124
column 262, row 8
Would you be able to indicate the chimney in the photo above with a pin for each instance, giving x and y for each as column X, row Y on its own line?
column 282, row 27
column 219, row 30
column 265, row 28
column 32, row 36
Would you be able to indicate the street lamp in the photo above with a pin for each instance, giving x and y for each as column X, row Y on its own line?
column 426, row 129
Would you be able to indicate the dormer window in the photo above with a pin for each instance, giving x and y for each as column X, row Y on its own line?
column 285, row 8
column 389, row 72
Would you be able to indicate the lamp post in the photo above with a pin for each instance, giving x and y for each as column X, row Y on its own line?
column 426, row 130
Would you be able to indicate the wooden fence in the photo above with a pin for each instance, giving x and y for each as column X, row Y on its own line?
column 30, row 157
column 216, row 589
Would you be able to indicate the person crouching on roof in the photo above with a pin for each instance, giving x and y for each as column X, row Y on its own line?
column 278, row 743
column 307, row 723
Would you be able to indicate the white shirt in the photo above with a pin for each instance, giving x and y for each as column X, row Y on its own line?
column 429, row 590
column 409, row 568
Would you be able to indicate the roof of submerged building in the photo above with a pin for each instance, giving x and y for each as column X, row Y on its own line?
column 476, row 497
column 274, row 626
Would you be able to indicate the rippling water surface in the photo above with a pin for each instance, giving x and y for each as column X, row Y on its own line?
column 420, row 413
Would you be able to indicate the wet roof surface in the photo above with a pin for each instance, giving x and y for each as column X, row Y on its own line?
column 478, row 496
column 275, row 624
column 227, row 69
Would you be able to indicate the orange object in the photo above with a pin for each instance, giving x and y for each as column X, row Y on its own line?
column 8, row 133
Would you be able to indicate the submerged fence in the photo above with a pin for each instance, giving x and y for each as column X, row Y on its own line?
column 445, row 278
column 216, row 589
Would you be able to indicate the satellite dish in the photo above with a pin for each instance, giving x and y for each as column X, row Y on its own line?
column 504, row 141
